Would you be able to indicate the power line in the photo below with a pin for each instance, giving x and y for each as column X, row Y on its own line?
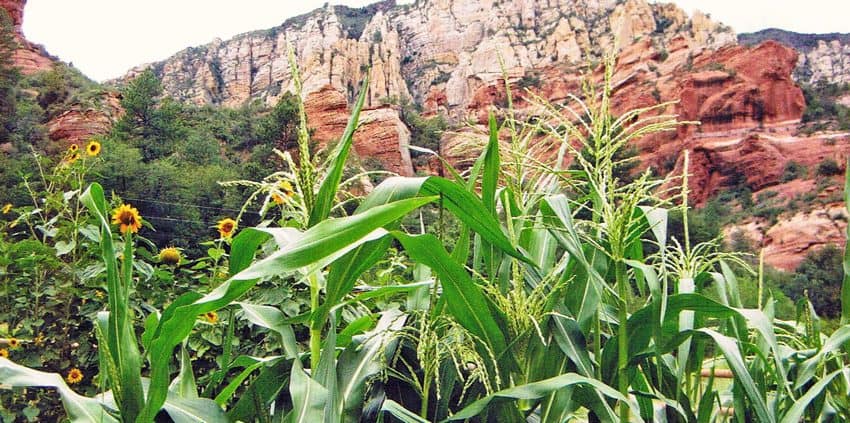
column 171, row 219
column 189, row 205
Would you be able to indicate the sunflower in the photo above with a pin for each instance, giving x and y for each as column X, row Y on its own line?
column 75, row 375
column 73, row 148
column 7, row 208
column 14, row 343
column 277, row 198
column 287, row 189
column 4, row 353
column 211, row 317
column 39, row 340
column 93, row 148
column 226, row 227
column 128, row 218
column 73, row 157
column 169, row 255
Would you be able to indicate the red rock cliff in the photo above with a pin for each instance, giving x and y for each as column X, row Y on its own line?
column 29, row 57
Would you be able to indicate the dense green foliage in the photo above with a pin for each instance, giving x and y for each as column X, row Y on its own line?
column 819, row 278
column 822, row 107
column 8, row 77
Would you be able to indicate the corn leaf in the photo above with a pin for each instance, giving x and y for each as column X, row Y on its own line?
column 539, row 389
column 80, row 409
column 330, row 185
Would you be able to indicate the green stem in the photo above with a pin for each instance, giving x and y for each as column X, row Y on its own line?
column 622, row 338
column 426, row 387
column 315, row 332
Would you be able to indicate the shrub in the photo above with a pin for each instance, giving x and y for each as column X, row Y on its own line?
column 828, row 167
column 819, row 278
column 793, row 170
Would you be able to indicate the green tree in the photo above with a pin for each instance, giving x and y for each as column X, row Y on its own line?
column 820, row 276
column 280, row 127
column 139, row 101
column 151, row 125
column 9, row 76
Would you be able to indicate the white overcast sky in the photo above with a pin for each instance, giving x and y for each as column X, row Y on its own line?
column 104, row 38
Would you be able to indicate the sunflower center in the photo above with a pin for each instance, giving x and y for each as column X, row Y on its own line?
column 126, row 218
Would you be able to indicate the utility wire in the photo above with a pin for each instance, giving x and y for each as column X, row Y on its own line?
column 188, row 205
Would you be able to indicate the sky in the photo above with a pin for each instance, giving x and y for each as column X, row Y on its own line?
column 105, row 38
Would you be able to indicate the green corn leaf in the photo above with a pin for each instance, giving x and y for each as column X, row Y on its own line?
column 272, row 318
column 401, row 413
column 316, row 247
column 184, row 384
column 123, row 347
column 490, row 182
column 193, row 410
column 832, row 345
column 364, row 359
column 795, row 413
column 330, row 185
column 308, row 397
column 539, row 389
column 729, row 347
column 455, row 198
column 343, row 275
column 464, row 299
column 79, row 408
column 255, row 400
column 255, row 363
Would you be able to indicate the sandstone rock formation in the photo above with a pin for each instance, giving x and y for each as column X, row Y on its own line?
column 823, row 57
column 381, row 136
column 787, row 243
column 443, row 49
column 79, row 124
column 29, row 57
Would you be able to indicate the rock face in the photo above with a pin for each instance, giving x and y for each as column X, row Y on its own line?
column 445, row 49
column 829, row 61
column 382, row 136
column 29, row 58
column 79, row 124
column 788, row 242
column 823, row 57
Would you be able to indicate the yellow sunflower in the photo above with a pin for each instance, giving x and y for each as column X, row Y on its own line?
column 73, row 148
column 211, row 317
column 287, row 189
column 7, row 208
column 14, row 343
column 4, row 353
column 128, row 218
column 75, row 375
column 73, row 157
column 93, row 148
column 226, row 227
column 170, row 256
